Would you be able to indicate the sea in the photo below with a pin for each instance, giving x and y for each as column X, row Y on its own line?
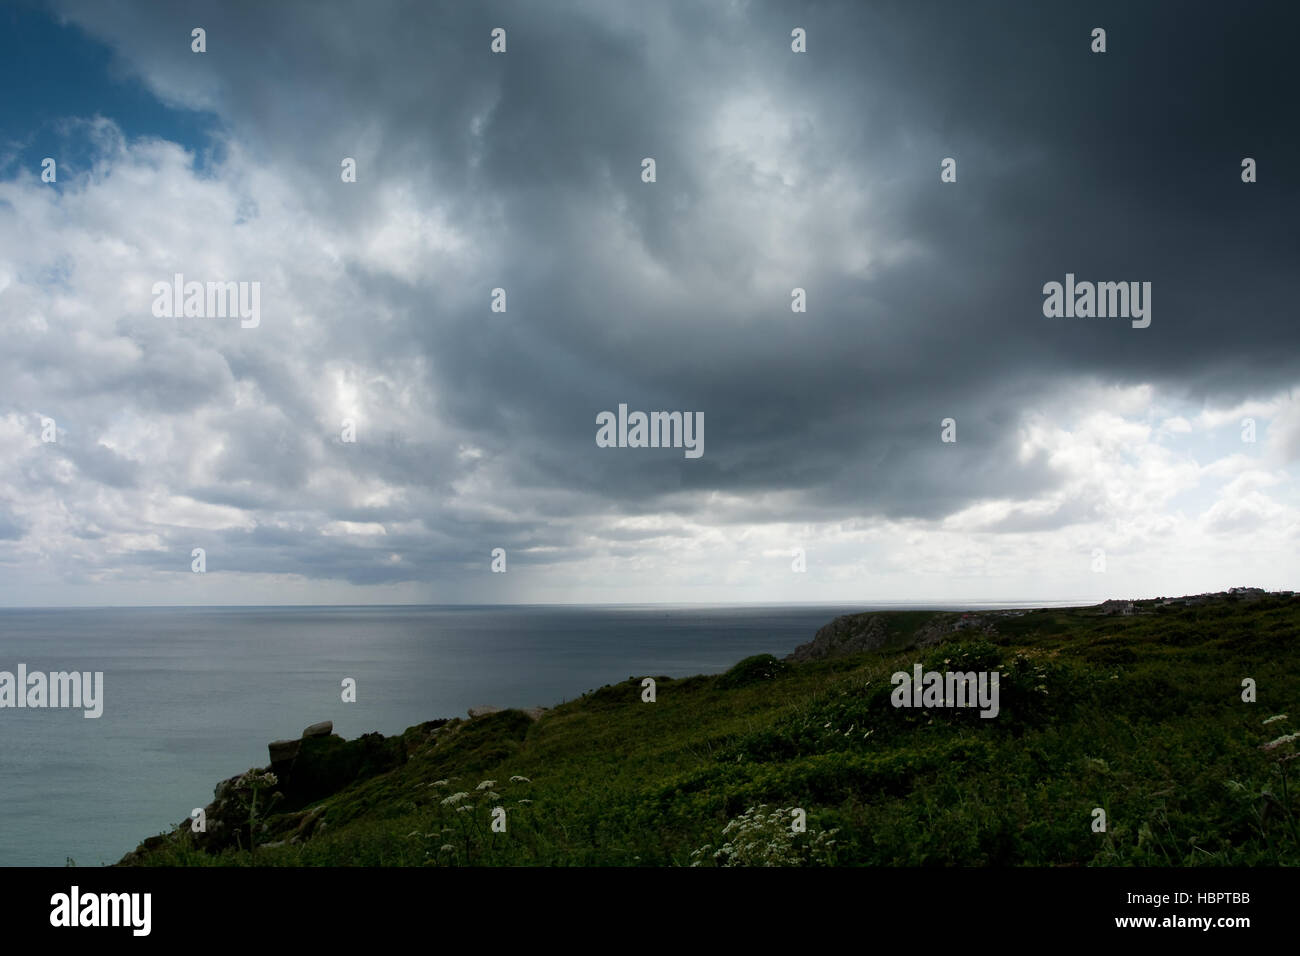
column 193, row 695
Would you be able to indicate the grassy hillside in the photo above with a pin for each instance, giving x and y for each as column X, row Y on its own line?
column 1140, row 715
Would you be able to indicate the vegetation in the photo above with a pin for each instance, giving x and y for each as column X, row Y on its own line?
column 1141, row 716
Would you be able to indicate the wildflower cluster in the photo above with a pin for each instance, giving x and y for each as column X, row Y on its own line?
column 761, row 838
column 1273, row 806
column 258, row 779
column 244, row 793
column 1280, row 741
column 466, row 835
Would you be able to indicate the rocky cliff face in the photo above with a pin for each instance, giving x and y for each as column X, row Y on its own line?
column 285, row 801
column 846, row 635
column 300, row 772
column 857, row 633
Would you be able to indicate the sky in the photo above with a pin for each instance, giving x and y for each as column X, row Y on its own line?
column 380, row 429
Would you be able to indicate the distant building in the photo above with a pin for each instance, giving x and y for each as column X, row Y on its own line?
column 1111, row 607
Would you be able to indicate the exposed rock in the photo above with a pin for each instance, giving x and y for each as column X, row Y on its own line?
column 141, row 852
column 305, row 771
column 536, row 712
column 283, row 751
column 941, row 627
column 322, row 729
column 326, row 765
column 483, row 711
column 223, row 788
column 857, row 633
column 846, row 635
column 226, row 817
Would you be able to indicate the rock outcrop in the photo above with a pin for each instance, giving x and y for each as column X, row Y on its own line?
column 283, row 752
column 941, row 627
column 857, row 633
column 326, row 765
column 846, row 635
column 301, row 773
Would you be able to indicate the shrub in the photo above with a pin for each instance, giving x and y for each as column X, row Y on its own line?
column 753, row 670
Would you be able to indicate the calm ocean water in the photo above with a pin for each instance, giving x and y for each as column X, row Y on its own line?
column 193, row 695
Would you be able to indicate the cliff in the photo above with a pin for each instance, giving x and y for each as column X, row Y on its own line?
column 1179, row 721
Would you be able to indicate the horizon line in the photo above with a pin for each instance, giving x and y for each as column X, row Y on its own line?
column 918, row 604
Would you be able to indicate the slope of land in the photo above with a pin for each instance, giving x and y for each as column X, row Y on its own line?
column 1135, row 710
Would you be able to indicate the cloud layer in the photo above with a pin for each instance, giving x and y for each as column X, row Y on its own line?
column 522, row 171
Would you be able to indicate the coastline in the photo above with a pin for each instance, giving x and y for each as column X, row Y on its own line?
column 703, row 748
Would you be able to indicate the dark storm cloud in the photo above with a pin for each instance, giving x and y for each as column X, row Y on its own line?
column 1122, row 166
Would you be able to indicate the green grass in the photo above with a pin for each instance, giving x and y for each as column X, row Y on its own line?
column 1141, row 716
